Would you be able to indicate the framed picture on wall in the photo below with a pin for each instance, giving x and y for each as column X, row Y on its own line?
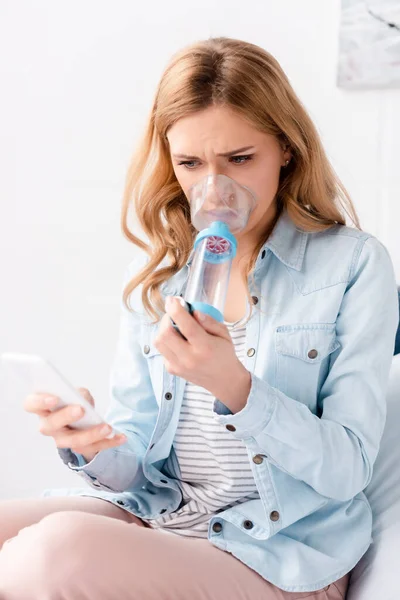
column 369, row 44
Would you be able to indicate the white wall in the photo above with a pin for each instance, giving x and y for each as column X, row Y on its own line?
column 77, row 80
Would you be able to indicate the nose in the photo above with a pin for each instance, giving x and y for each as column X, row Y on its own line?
column 213, row 199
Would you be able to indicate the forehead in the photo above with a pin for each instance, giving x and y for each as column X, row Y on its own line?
column 219, row 128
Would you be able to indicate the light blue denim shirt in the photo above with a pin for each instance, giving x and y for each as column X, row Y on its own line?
column 319, row 347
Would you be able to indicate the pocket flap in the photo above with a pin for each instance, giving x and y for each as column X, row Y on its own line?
column 148, row 347
column 149, row 351
column 311, row 342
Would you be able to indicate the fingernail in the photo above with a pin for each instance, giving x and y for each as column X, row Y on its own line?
column 122, row 437
column 105, row 429
column 202, row 316
column 76, row 411
column 50, row 401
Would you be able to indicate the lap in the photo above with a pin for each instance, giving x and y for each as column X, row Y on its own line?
column 18, row 513
column 87, row 555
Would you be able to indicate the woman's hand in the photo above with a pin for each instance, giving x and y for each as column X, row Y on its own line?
column 87, row 442
column 206, row 358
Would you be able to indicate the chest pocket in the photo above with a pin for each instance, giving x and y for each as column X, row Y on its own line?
column 302, row 359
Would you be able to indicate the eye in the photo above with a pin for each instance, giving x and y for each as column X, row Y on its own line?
column 237, row 160
column 188, row 164
column 241, row 159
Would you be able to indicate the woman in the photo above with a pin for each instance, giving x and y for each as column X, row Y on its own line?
column 250, row 442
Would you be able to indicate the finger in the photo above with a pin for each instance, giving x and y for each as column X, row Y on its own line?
column 188, row 326
column 40, row 403
column 60, row 418
column 79, row 438
column 163, row 339
column 118, row 440
column 171, row 360
column 86, row 394
column 211, row 325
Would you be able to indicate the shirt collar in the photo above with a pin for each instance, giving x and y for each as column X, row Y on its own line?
column 287, row 242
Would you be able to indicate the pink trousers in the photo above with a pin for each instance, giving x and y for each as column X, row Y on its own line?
column 81, row 548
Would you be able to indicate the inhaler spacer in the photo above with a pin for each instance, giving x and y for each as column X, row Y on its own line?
column 219, row 208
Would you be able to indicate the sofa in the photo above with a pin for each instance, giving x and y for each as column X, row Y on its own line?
column 375, row 577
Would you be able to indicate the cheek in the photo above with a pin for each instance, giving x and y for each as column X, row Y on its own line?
column 264, row 183
column 178, row 175
column 185, row 180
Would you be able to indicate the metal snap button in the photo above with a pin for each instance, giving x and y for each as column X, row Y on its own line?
column 168, row 396
column 146, row 349
column 217, row 527
column 248, row 524
column 274, row 515
column 313, row 353
column 263, row 254
column 255, row 299
column 121, row 502
column 230, row 427
column 163, row 481
column 251, row 352
column 258, row 459
column 163, row 510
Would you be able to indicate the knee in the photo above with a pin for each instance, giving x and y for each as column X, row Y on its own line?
column 62, row 535
column 46, row 554
column 65, row 525
column 56, row 536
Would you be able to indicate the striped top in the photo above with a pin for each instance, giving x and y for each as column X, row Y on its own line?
column 212, row 468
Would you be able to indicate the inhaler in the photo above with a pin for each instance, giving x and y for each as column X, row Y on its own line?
column 219, row 208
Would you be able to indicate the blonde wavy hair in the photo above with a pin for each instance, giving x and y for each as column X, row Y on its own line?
column 246, row 78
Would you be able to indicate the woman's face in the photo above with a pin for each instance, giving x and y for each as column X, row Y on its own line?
column 217, row 140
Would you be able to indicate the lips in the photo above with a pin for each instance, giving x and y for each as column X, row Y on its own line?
column 219, row 213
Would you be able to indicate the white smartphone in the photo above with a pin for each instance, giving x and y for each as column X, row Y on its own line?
column 34, row 374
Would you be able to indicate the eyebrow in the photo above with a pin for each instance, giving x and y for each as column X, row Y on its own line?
column 231, row 153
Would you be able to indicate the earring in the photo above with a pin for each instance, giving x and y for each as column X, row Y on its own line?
column 287, row 162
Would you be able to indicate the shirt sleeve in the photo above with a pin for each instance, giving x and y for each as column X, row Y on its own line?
column 334, row 453
column 133, row 411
